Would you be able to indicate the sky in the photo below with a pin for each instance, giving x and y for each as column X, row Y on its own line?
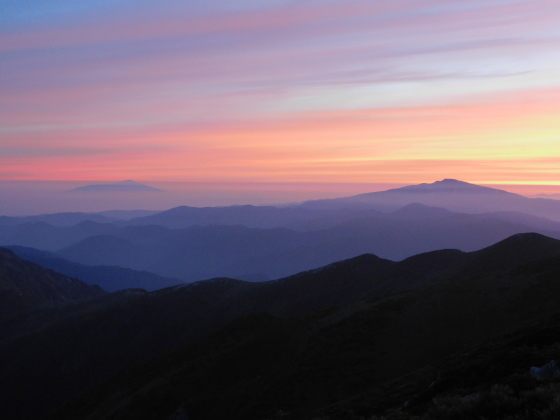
column 277, row 91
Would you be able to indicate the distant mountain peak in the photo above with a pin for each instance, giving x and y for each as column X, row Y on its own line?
column 123, row 186
column 447, row 185
column 128, row 182
column 451, row 181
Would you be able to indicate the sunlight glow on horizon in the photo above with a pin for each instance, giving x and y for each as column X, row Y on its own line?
column 324, row 91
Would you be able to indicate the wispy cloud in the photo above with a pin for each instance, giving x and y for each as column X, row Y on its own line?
column 320, row 82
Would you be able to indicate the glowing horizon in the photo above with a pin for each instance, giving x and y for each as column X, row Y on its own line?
column 281, row 91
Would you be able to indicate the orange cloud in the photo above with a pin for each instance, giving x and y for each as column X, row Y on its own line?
column 508, row 139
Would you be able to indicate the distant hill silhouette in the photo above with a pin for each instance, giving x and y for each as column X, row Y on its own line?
column 235, row 251
column 127, row 214
column 232, row 250
column 451, row 194
column 250, row 216
column 43, row 235
column 73, row 218
column 123, row 186
column 446, row 186
column 110, row 278
column 58, row 219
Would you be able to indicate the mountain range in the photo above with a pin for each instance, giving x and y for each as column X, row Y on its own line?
column 201, row 252
column 296, row 345
column 425, row 302
column 260, row 243
column 128, row 186
column 449, row 193
column 109, row 278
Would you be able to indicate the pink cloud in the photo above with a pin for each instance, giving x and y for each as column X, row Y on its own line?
column 389, row 16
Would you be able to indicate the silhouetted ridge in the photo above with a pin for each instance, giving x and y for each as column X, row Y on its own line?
column 247, row 215
column 340, row 329
column 447, row 186
column 361, row 261
column 123, row 186
column 24, row 283
column 514, row 251
column 216, row 284
column 345, row 360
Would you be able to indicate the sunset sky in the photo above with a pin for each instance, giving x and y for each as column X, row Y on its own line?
column 398, row 91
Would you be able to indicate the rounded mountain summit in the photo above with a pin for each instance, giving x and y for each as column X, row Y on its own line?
column 123, row 186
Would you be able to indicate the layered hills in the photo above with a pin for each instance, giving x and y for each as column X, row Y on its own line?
column 449, row 193
column 299, row 344
column 109, row 278
column 204, row 251
column 377, row 296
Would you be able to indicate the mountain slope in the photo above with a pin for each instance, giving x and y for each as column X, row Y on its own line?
column 450, row 194
column 24, row 284
column 442, row 311
column 109, row 278
column 301, row 366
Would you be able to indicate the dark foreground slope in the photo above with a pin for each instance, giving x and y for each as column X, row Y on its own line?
column 24, row 284
column 310, row 340
column 328, row 362
column 333, row 363
column 491, row 380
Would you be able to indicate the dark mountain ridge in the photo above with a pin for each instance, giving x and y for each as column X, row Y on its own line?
column 123, row 329
column 299, row 367
column 24, row 284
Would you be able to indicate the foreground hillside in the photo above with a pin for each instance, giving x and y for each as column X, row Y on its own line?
column 329, row 363
column 231, row 349
column 24, row 285
column 491, row 381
